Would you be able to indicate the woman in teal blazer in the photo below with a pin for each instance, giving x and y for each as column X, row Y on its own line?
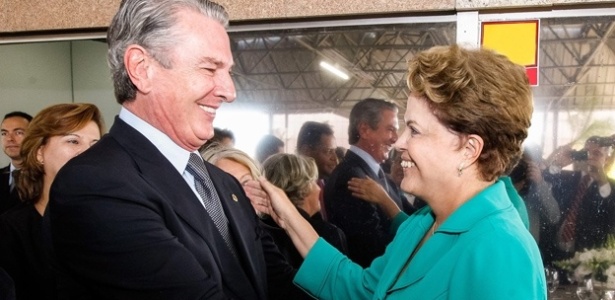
column 467, row 114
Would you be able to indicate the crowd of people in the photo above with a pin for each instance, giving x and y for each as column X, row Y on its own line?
column 163, row 206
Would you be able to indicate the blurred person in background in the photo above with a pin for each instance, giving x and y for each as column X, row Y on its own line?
column 372, row 131
column 296, row 175
column 542, row 207
column 316, row 140
column 221, row 136
column 56, row 134
column 586, row 196
column 237, row 163
column 340, row 152
column 13, row 129
column 268, row 145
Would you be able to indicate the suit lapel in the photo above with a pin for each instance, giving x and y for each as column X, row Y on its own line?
column 162, row 176
column 354, row 159
column 239, row 219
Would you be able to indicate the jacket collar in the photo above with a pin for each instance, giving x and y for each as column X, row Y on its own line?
column 491, row 200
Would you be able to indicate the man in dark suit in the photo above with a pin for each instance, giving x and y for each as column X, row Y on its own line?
column 141, row 216
column 13, row 128
column 371, row 134
column 586, row 197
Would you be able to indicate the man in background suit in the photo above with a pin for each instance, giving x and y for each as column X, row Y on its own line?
column 13, row 128
column 140, row 215
column 371, row 134
column 586, row 197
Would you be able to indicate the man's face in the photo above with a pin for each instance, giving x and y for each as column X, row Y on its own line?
column 13, row 132
column 596, row 157
column 324, row 155
column 378, row 142
column 184, row 99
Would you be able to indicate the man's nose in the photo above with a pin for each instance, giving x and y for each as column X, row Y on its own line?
column 225, row 88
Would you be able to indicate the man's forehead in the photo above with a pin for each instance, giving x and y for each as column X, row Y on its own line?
column 4, row 125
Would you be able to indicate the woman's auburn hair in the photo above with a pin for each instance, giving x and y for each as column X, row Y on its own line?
column 477, row 92
column 55, row 120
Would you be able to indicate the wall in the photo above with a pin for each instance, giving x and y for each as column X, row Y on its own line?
column 34, row 76
column 32, row 15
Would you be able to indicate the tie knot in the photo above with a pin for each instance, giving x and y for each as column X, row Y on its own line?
column 196, row 166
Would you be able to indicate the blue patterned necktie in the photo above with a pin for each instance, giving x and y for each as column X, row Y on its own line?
column 211, row 201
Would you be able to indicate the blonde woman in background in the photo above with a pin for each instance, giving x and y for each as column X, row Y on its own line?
column 297, row 176
column 239, row 164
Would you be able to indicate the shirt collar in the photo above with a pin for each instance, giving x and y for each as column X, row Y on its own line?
column 371, row 162
column 175, row 154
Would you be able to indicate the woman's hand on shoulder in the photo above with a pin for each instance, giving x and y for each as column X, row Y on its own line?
column 371, row 191
column 368, row 190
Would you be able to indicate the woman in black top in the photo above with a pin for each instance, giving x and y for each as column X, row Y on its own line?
column 297, row 175
column 57, row 134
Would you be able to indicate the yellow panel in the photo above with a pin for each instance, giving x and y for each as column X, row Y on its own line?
column 517, row 40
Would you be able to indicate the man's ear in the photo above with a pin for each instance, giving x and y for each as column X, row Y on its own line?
column 363, row 129
column 137, row 63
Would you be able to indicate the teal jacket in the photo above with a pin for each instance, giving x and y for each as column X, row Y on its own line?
column 482, row 251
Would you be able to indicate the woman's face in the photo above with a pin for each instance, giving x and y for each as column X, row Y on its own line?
column 237, row 170
column 429, row 151
column 313, row 198
column 60, row 149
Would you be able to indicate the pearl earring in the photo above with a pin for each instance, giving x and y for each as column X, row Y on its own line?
column 460, row 169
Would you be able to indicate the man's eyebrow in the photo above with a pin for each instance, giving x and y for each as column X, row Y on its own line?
column 217, row 62
column 211, row 60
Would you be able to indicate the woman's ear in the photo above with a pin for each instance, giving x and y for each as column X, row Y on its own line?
column 39, row 155
column 473, row 147
column 137, row 62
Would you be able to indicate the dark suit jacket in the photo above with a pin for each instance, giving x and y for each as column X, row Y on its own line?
column 8, row 198
column 366, row 226
column 124, row 224
column 596, row 216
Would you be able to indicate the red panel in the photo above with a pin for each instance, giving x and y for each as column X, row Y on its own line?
column 532, row 75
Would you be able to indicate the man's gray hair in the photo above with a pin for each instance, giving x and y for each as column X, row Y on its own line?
column 367, row 111
column 150, row 24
